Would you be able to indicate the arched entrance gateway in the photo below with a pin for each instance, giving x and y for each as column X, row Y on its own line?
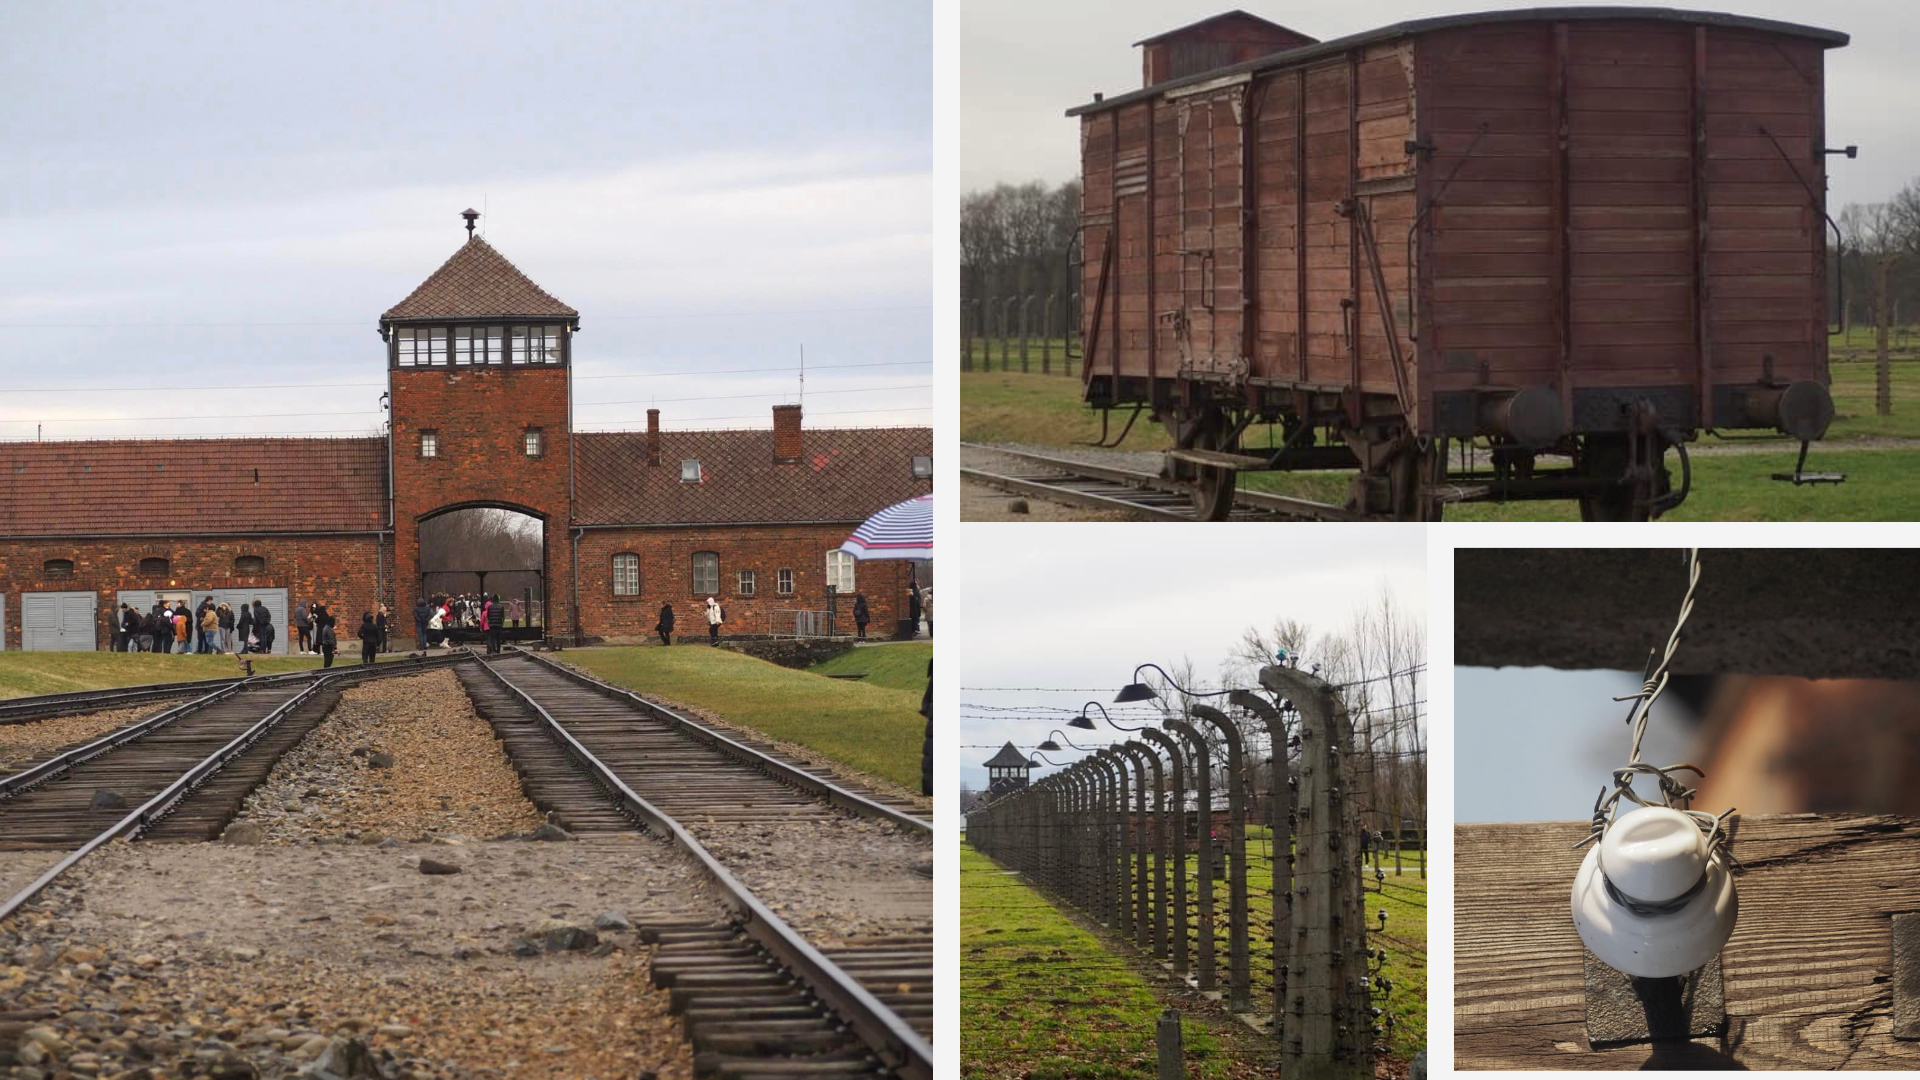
column 481, row 482
column 468, row 553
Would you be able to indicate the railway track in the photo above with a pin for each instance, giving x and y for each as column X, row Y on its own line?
column 1104, row 487
column 26, row 710
column 756, row 996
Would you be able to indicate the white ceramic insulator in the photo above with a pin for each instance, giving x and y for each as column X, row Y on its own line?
column 1653, row 855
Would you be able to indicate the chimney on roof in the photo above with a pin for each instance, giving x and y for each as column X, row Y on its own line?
column 786, row 433
column 472, row 216
column 653, row 438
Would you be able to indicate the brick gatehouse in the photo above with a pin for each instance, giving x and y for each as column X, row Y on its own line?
column 479, row 370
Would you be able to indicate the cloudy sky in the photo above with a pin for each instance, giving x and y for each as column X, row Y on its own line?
column 1094, row 601
column 214, row 197
column 1023, row 65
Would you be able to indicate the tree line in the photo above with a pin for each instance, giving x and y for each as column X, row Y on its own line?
column 1017, row 240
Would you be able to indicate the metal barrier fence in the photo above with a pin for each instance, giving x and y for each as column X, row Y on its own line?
column 1135, row 835
column 798, row 624
column 1031, row 329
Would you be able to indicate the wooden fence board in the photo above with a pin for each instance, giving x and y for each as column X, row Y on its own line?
column 1808, row 969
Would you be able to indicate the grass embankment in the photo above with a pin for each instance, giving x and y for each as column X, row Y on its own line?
column 874, row 728
column 900, row 665
column 24, row 674
column 1041, row 999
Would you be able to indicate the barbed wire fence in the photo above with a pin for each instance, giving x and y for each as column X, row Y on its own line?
column 1027, row 330
column 1230, row 844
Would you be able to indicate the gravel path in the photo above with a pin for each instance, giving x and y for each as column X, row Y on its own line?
column 831, row 880
column 231, row 961
column 404, row 757
column 23, row 744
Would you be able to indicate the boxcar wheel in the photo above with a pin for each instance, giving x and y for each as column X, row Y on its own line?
column 1209, row 489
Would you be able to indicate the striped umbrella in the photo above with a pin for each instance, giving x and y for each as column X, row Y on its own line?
column 901, row 531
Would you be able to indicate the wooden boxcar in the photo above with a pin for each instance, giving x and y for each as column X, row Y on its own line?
column 1514, row 255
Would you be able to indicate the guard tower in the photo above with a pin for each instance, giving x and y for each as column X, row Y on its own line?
column 1006, row 772
column 479, row 363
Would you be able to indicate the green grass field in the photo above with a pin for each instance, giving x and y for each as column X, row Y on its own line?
column 26, row 673
column 1880, row 486
column 900, row 665
column 874, row 728
column 1041, row 999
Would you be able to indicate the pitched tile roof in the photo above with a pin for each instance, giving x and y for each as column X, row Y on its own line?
column 1008, row 758
column 843, row 475
column 477, row 282
column 192, row 485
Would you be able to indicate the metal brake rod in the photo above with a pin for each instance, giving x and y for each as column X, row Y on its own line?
column 900, row 1047
column 800, row 778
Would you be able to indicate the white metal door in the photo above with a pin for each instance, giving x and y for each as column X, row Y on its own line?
column 58, row 622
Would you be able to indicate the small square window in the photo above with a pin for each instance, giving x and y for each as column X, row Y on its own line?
column 429, row 444
column 783, row 581
column 923, row 465
column 746, row 583
column 533, row 443
column 690, row 471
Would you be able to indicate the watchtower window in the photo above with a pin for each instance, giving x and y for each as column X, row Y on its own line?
column 155, row 566
column 534, row 442
column 626, row 574
column 420, row 346
column 250, row 564
column 429, row 444
column 57, row 568
column 536, row 344
column 476, row 345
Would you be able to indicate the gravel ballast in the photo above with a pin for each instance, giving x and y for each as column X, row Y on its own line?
column 22, row 745
column 403, row 757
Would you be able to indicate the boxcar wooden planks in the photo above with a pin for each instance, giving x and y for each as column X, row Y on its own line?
column 1806, row 970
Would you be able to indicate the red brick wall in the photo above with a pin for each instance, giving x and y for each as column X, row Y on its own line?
column 481, row 415
column 666, row 576
column 338, row 570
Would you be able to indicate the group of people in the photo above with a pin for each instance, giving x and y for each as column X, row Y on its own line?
column 435, row 619
column 210, row 628
column 919, row 605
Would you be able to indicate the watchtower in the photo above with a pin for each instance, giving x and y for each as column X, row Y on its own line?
column 1007, row 771
column 479, row 363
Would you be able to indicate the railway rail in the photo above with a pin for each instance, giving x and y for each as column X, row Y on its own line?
column 26, row 710
column 753, row 991
column 757, row 997
column 1105, row 487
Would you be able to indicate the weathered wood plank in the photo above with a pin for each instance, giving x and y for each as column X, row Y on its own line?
column 1807, row 970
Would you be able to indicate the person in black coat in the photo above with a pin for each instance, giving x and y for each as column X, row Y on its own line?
column 913, row 607
column 860, row 615
column 245, row 630
column 422, row 611
column 369, row 637
column 665, row 626
column 262, row 626
column 324, row 634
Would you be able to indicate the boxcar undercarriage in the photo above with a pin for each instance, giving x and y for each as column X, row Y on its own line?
column 1506, row 446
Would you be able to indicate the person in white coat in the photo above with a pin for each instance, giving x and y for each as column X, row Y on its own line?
column 714, row 618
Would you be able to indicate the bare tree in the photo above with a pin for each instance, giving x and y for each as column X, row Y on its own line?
column 1882, row 233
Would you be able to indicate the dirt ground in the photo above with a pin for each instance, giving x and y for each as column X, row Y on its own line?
column 257, row 957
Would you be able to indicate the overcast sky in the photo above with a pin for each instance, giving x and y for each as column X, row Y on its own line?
column 1537, row 744
column 229, row 194
column 1073, row 608
column 1024, row 64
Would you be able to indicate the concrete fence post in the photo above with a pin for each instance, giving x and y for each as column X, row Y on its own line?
column 1173, row 1056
